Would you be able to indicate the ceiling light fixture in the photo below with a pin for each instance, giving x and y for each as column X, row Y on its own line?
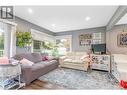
column 54, row 25
column 87, row 18
column 30, row 10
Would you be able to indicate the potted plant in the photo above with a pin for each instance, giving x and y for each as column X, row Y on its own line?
column 23, row 39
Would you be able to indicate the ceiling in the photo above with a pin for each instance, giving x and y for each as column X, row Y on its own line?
column 123, row 20
column 66, row 18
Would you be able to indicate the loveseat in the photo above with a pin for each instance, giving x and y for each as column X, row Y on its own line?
column 75, row 60
column 39, row 68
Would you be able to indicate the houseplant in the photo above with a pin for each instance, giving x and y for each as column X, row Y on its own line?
column 23, row 39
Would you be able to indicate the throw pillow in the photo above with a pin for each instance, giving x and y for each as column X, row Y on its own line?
column 4, row 60
column 44, row 58
column 47, row 58
column 26, row 62
column 84, row 56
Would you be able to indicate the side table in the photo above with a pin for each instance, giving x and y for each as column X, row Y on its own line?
column 8, row 73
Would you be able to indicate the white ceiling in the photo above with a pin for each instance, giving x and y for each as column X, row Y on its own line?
column 66, row 18
column 123, row 20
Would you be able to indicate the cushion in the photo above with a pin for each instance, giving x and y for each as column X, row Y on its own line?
column 120, row 56
column 26, row 62
column 36, row 57
column 19, row 56
column 83, row 57
column 121, row 61
column 4, row 60
column 80, row 53
column 44, row 58
column 77, row 61
column 68, row 60
column 47, row 58
column 122, row 68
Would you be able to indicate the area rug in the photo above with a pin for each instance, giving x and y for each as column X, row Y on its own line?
column 75, row 79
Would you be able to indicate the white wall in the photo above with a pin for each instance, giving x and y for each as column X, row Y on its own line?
column 111, row 39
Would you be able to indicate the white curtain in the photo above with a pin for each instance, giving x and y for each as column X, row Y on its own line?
column 9, row 38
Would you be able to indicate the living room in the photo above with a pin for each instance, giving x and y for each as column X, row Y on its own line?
column 46, row 49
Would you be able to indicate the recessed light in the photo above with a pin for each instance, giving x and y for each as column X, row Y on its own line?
column 87, row 18
column 30, row 10
column 54, row 25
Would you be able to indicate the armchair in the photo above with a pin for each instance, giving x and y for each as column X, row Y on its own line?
column 119, row 66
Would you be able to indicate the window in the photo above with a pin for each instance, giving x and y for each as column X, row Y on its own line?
column 7, row 38
column 36, row 46
column 1, row 42
column 42, row 46
column 64, row 45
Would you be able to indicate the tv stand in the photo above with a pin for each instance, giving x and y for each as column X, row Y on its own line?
column 101, row 62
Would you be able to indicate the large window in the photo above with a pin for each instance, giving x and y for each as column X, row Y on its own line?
column 42, row 46
column 64, row 45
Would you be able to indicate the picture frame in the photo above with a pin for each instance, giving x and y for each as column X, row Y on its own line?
column 85, row 39
column 122, row 39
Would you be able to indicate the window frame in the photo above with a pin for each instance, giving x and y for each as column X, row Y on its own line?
column 65, row 37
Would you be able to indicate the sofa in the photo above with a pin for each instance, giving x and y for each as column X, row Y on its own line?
column 75, row 60
column 119, row 66
column 39, row 68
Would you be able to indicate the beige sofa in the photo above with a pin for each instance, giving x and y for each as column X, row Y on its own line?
column 74, row 60
column 119, row 66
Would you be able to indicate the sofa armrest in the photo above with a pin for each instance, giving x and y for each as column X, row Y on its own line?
column 26, row 74
column 61, row 59
column 85, row 59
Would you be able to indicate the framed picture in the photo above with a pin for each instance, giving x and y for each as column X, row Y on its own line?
column 85, row 39
column 122, row 39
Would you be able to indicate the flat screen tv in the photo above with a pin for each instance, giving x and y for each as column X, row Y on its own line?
column 101, row 48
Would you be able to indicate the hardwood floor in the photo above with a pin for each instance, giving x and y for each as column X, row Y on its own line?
column 42, row 85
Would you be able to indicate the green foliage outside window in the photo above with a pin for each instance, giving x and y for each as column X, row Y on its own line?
column 1, row 42
column 50, row 46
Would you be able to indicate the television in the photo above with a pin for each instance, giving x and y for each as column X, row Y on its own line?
column 99, row 48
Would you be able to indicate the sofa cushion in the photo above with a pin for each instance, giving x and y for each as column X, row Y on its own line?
column 42, row 64
column 77, row 61
column 80, row 53
column 44, row 58
column 23, row 55
column 36, row 57
column 120, row 56
column 19, row 56
column 68, row 60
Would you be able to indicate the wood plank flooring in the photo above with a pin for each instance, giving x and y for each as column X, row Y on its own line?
column 42, row 85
